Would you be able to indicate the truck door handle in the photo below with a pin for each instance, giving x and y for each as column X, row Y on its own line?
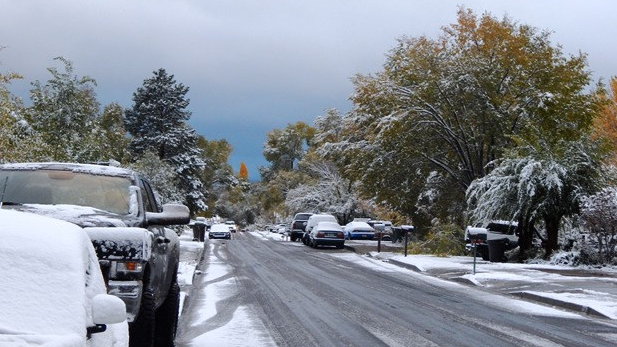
column 162, row 239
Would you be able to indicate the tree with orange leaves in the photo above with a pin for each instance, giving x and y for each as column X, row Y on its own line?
column 244, row 173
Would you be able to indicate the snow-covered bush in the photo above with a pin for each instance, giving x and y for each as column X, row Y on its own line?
column 442, row 240
column 599, row 217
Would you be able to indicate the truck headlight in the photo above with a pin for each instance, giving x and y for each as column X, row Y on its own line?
column 125, row 268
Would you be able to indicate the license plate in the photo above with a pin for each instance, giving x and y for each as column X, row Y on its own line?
column 330, row 235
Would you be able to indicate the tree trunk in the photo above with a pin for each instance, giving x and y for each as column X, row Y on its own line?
column 552, row 233
column 525, row 238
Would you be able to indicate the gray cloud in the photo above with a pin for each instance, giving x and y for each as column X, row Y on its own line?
column 256, row 65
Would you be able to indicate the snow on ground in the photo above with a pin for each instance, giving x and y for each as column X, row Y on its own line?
column 190, row 252
column 272, row 236
column 242, row 329
column 452, row 263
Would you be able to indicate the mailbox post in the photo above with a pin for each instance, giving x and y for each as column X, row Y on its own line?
column 379, row 229
column 406, row 229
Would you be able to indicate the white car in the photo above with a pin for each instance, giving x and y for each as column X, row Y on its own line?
column 232, row 226
column 219, row 231
column 327, row 234
column 52, row 291
column 313, row 221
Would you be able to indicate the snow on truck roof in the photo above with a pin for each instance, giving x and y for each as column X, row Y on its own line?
column 92, row 169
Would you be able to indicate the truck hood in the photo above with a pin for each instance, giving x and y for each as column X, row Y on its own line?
column 80, row 215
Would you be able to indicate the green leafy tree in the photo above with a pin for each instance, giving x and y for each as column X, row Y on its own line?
column 453, row 105
column 18, row 141
column 539, row 185
column 63, row 112
column 285, row 147
column 217, row 175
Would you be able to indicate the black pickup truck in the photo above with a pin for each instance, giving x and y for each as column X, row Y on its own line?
column 138, row 256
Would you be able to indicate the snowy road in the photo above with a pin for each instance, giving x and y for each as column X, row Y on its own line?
column 258, row 291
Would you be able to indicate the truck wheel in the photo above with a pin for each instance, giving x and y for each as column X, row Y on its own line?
column 167, row 318
column 293, row 239
column 141, row 332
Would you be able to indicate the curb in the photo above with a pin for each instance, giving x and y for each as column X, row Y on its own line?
column 405, row 265
column 559, row 303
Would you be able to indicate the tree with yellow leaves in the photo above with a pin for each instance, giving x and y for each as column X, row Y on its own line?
column 605, row 124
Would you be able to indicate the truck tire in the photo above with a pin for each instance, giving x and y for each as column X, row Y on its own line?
column 141, row 331
column 167, row 318
column 293, row 239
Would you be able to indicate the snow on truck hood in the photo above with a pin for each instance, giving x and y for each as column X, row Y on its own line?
column 80, row 215
column 48, row 270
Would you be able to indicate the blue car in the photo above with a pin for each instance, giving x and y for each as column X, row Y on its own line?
column 359, row 231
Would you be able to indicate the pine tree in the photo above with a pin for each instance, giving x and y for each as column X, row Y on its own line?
column 157, row 123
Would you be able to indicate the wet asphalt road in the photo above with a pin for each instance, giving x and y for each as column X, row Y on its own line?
column 306, row 297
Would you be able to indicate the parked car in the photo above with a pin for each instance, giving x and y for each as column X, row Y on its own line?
column 219, row 231
column 359, row 231
column 298, row 225
column 52, row 291
column 232, row 226
column 312, row 222
column 387, row 228
column 327, row 234
column 138, row 255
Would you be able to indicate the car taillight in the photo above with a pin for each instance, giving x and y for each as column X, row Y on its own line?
column 320, row 234
column 340, row 235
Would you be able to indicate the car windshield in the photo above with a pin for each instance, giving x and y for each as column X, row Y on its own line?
column 52, row 187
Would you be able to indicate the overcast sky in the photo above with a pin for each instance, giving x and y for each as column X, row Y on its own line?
column 256, row 65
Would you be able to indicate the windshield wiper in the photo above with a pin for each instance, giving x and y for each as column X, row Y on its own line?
column 10, row 203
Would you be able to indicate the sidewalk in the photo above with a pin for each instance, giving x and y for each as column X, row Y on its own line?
column 589, row 291
column 191, row 253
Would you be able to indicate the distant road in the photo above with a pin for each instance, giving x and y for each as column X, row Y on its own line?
column 297, row 296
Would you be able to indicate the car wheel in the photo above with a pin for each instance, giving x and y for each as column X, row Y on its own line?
column 141, row 331
column 293, row 239
column 167, row 318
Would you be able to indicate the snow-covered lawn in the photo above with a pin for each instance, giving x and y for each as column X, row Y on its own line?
column 596, row 289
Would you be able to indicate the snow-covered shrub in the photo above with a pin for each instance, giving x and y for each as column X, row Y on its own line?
column 599, row 216
column 442, row 240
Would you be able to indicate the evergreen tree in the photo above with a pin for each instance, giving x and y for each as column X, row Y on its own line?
column 157, row 123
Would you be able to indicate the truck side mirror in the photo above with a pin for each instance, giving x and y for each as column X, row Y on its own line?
column 108, row 309
column 173, row 214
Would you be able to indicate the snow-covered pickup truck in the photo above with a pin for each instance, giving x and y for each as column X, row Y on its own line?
column 495, row 230
column 138, row 256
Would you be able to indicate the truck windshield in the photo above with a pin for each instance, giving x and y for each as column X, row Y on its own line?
column 52, row 187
